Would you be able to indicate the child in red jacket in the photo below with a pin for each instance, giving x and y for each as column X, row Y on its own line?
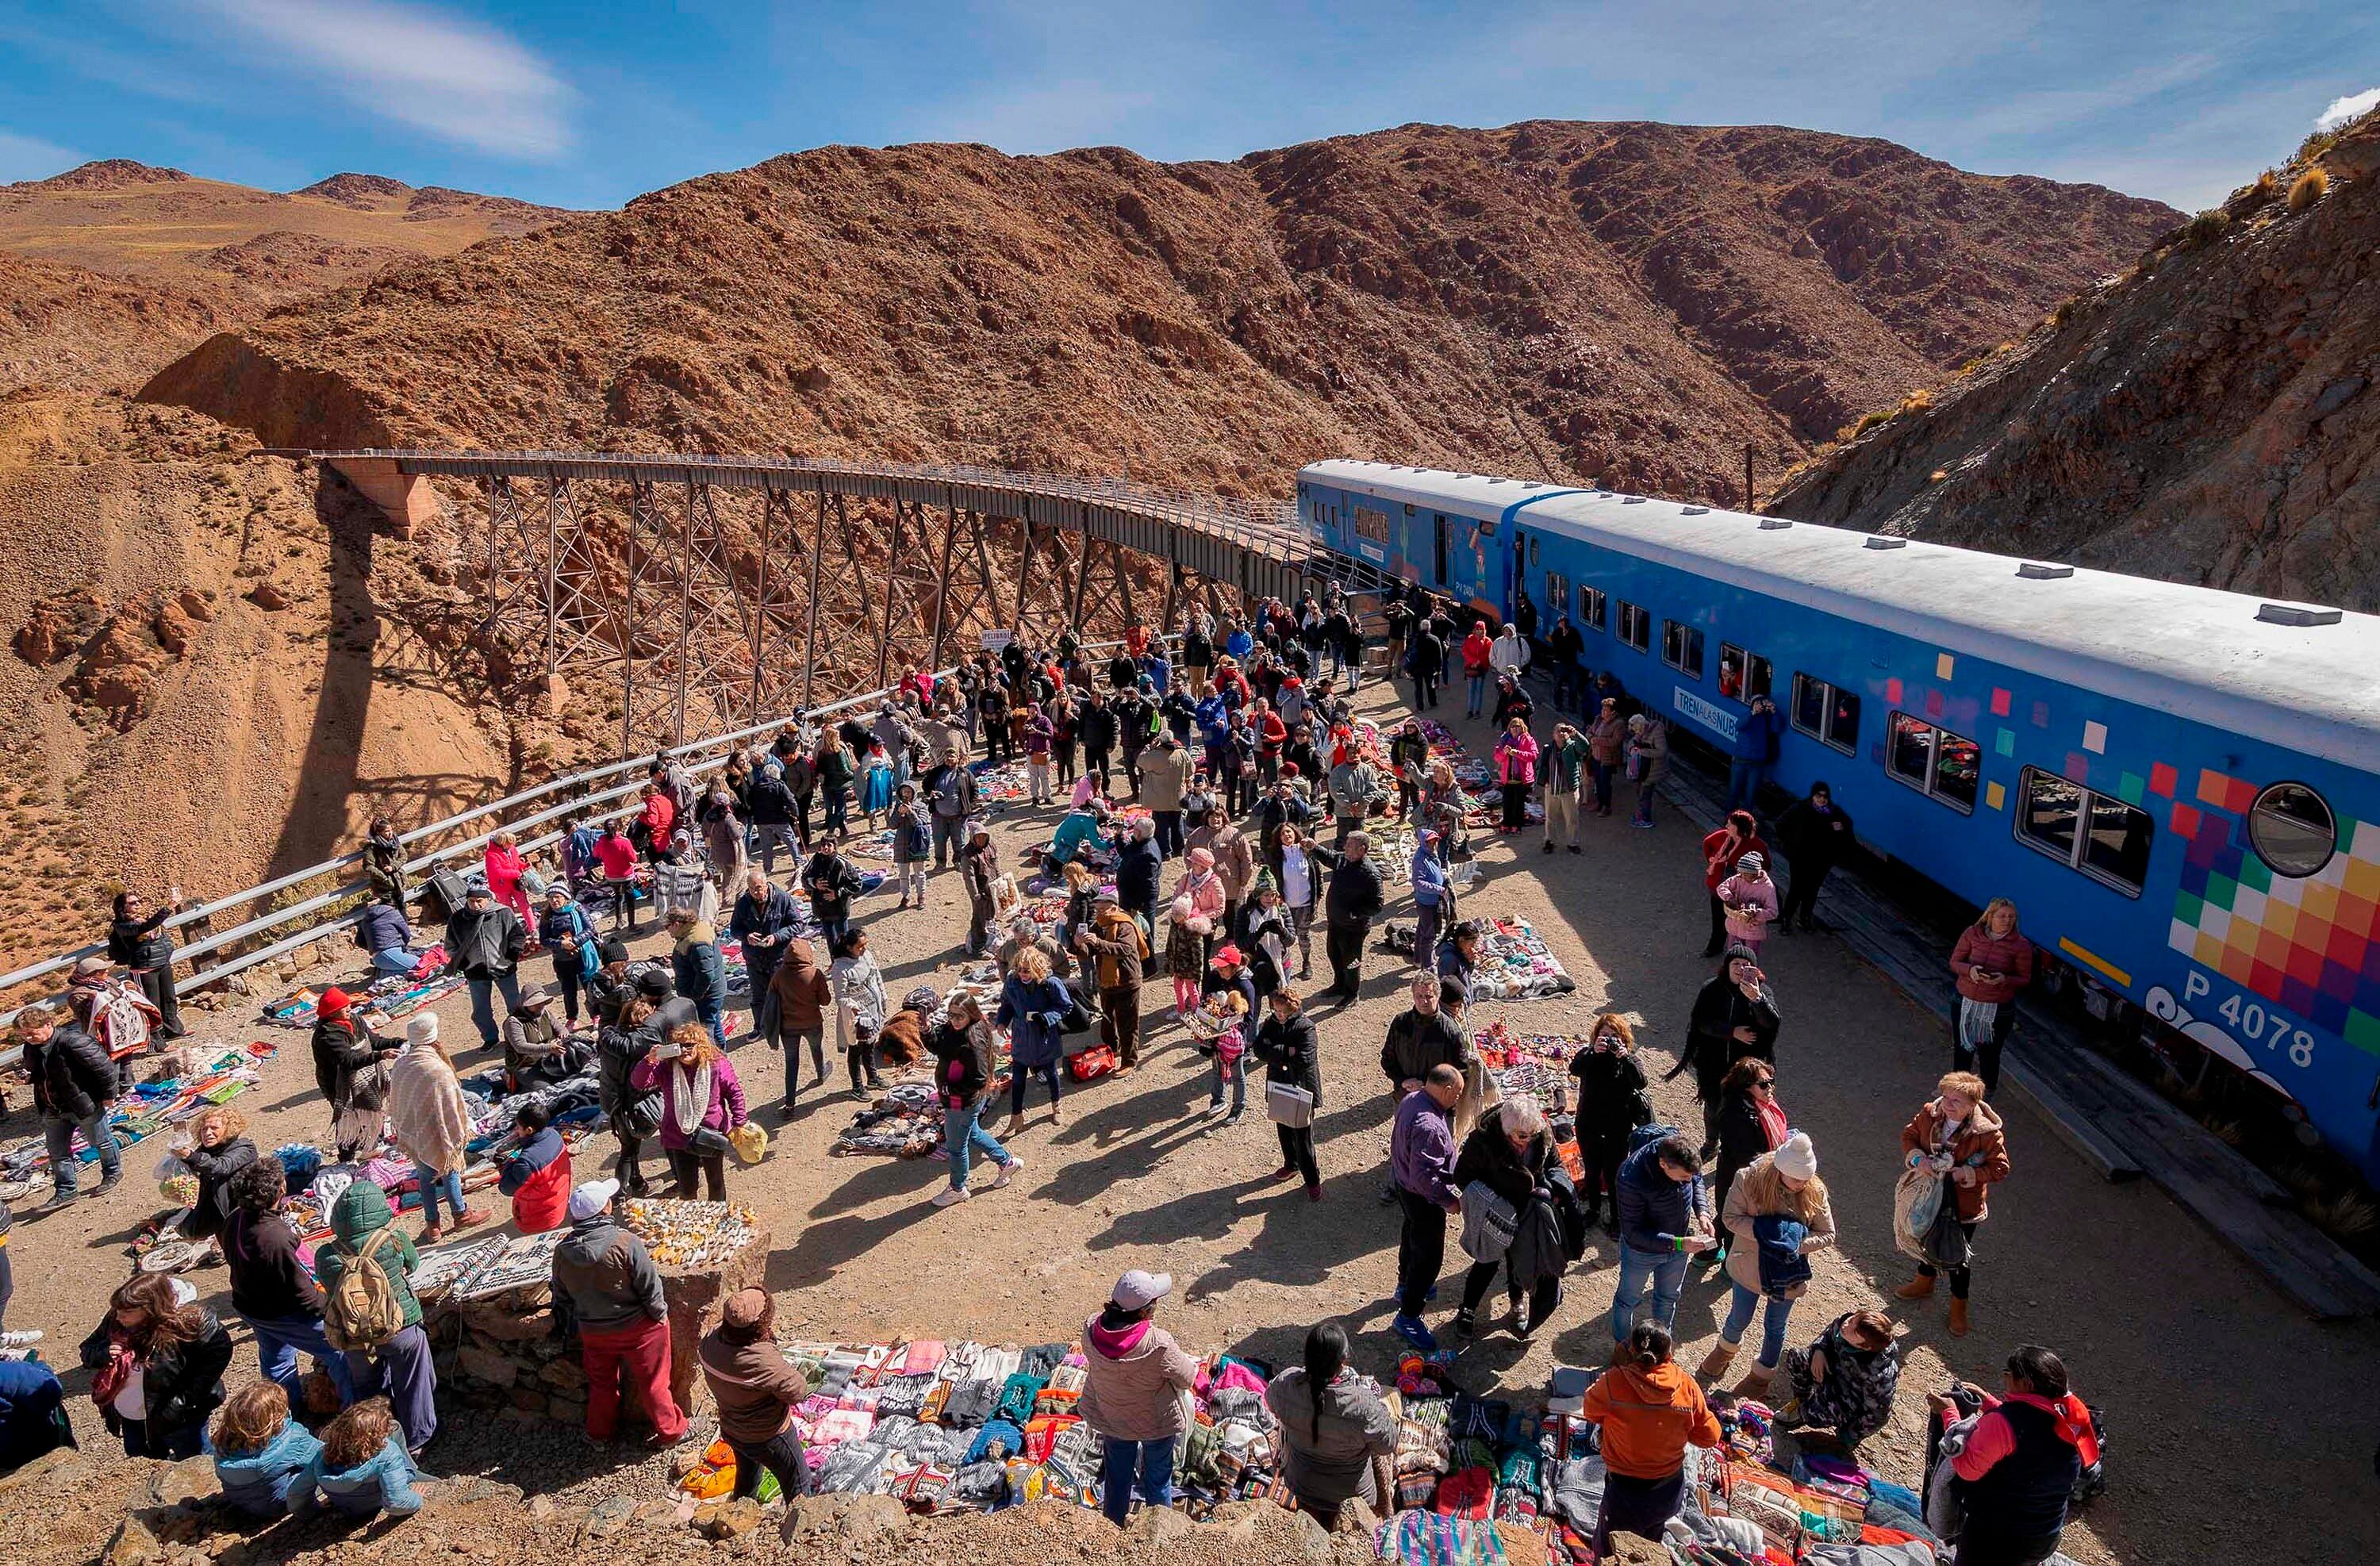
column 538, row 1177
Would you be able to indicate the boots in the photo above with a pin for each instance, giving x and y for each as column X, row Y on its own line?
column 1754, row 1384
column 1015, row 1126
column 1715, row 1363
column 1918, row 1288
column 1958, row 1318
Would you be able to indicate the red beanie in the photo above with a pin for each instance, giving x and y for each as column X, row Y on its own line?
column 334, row 1001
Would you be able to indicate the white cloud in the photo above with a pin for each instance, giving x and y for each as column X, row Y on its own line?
column 2354, row 106
column 453, row 78
column 30, row 157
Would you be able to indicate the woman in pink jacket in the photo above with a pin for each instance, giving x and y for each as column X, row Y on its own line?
column 504, row 865
column 1992, row 962
column 702, row 1102
column 1749, row 898
column 1516, row 769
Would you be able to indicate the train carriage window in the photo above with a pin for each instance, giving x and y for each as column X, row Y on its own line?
column 1741, row 675
column 1558, row 593
column 1934, row 761
column 1681, row 648
column 1533, row 548
column 2293, row 830
column 2103, row 838
column 1590, row 608
column 1635, row 626
column 1824, row 713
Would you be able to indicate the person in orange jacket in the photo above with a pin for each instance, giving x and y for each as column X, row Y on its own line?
column 1649, row 1410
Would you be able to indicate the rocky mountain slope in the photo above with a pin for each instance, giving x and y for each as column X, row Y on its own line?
column 1635, row 302
column 134, row 265
column 2208, row 416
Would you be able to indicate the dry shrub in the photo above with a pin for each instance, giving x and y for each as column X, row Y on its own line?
column 1917, row 401
column 2205, row 228
column 2347, row 1216
column 2308, row 189
column 1938, row 475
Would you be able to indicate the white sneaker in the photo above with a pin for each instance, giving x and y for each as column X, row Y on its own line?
column 1008, row 1172
column 950, row 1196
column 20, row 1339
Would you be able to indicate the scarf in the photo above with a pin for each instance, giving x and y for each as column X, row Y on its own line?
column 1773, row 1124
column 2074, row 1425
column 109, row 1378
column 690, row 1095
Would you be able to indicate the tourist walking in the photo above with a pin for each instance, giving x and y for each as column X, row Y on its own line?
column 1992, row 964
column 430, row 1125
column 757, row 1389
column 157, row 1360
column 1033, row 1007
column 615, row 1291
column 860, row 1009
column 1776, row 1215
column 699, row 971
column 1665, row 1221
column 763, row 922
column 1648, row 1412
column 484, row 943
column 1136, row 1387
column 1734, row 1015
column 831, row 881
column 1337, row 1432
column 1422, row 1160
column 702, row 1102
column 502, row 863
column 966, row 1061
column 1957, row 1137
column 74, row 1090
column 799, row 996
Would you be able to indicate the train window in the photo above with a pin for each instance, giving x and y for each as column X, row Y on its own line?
column 1371, row 524
column 1636, row 625
column 1533, row 548
column 1820, row 711
column 1741, row 675
column 1558, row 593
column 1681, row 648
column 1590, row 608
column 1934, row 761
column 2103, row 838
column 2292, row 829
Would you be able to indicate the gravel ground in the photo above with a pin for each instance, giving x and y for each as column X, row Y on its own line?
column 2187, row 1349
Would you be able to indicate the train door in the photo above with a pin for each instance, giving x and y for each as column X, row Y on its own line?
column 1439, row 577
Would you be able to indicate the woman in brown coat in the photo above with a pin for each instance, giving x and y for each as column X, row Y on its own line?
column 1957, row 1134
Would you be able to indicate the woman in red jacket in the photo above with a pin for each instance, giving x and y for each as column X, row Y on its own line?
column 1992, row 962
column 1476, row 648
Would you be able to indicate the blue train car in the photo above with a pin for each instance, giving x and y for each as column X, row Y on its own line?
column 2180, row 787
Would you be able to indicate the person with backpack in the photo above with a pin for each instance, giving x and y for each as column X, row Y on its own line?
column 615, row 1292
column 913, row 843
column 569, row 935
column 430, row 1125
column 74, row 1090
column 157, row 1362
column 369, row 1311
column 966, row 1061
column 363, row 1470
column 138, row 942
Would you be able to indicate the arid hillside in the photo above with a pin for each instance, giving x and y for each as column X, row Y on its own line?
column 134, row 265
column 2208, row 416
column 1635, row 302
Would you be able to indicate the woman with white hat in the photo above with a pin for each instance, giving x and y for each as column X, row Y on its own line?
column 428, row 1120
column 1776, row 1215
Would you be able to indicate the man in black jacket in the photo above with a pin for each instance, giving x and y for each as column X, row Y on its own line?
column 1139, row 867
column 951, row 795
column 272, row 1288
column 772, row 805
column 1095, row 725
column 74, row 1085
column 1816, row 834
column 484, row 942
column 1348, row 909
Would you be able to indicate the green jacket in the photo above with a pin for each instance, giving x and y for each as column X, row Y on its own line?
column 360, row 1210
column 1562, row 763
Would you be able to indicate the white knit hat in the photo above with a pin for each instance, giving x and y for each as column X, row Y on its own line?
column 1797, row 1159
column 422, row 1028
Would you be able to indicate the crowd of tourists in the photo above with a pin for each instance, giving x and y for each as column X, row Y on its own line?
column 1221, row 800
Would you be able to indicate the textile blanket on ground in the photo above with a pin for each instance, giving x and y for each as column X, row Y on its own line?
column 1534, row 1063
column 1515, row 962
column 905, row 1121
column 392, row 998
column 218, row 1076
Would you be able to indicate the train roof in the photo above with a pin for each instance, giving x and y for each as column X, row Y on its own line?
column 2299, row 676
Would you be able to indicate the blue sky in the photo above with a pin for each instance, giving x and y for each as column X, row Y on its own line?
column 587, row 105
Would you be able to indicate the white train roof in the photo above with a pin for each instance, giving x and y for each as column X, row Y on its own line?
column 2230, row 660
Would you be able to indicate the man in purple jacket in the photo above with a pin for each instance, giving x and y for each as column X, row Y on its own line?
column 1421, row 1156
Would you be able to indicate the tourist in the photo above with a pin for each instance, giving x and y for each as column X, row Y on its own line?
column 1511, row 1152
column 537, row 1174
column 1040, row 736
column 1665, row 1221
column 633, row 1114
column 259, row 1450
column 1845, row 1380
column 681, row 884
column 763, row 921
column 1082, row 902
column 1750, row 898
column 384, row 859
column 1613, row 1101
column 831, row 881
column 1235, row 862
column 501, row 861
column 799, row 995
column 1758, row 737
column 1337, row 1433
column 699, row 971
column 430, row 1125
column 217, row 1150
column 1648, row 762
column 1993, row 963
column 1751, row 1124
column 1033, row 1006
column 966, row 1060
column 1355, row 896
column 1024, row 935
column 1959, row 1137
column 1607, row 743
column 74, row 1090
column 1776, row 1214
column 1191, row 927
column 979, row 869
column 772, row 804
column 1477, row 654
column 1433, row 895
column 157, row 1361
column 860, row 1009
column 1426, row 659
column 2014, row 1478
column 1355, row 790
column 351, row 1069
column 1136, row 1389
column 537, row 1052
column 615, row 1292
column 1285, row 1042
column 484, row 944
column 702, row 1102
column 835, row 773
column 1078, row 832
column 1139, row 868
column 363, row 1468
column 1164, row 774
column 1269, row 933
column 1648, row 1412
column 138, row 942
column 657, row 820
column 1119, row 953
column 1512, row 702
column 609, row 988
column 569, row 935
column 913, row 843
column 1563, row 766
column 385, row 935
column 1421, row 1168
column 757, row 1391
column 950, row 798
column 1723, row 850
column 1734, row 1015
column 1563, row 646
column 1297, row 863
column 1815, row 834
column 1458, row 954
column 270, row 1287
column 615, row 854
column 721, row 817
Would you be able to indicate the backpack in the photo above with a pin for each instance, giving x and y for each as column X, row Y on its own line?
column 1645, row 1135
column 362, row 1311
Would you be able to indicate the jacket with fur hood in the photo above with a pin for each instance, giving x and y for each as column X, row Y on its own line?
column 1981, row 1145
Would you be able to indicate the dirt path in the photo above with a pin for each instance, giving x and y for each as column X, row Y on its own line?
column 2201, row 1369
